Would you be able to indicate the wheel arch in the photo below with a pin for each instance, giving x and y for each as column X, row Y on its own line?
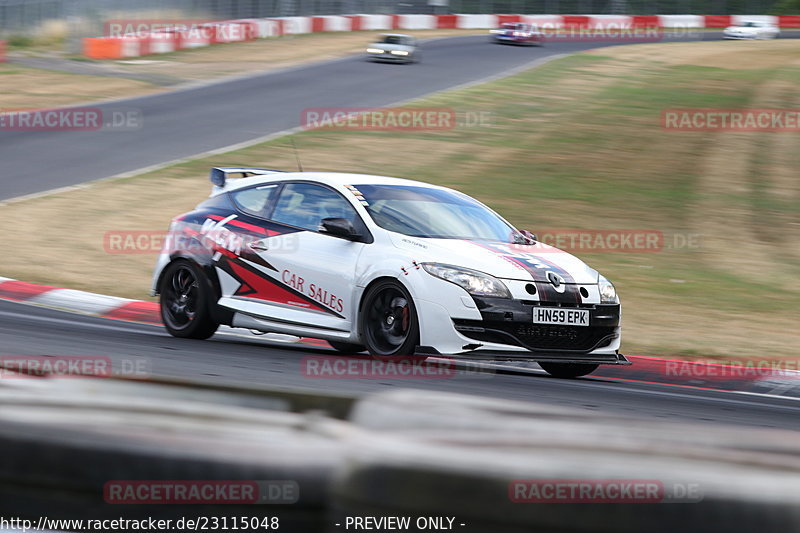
column 367, row 287
column 222, row 315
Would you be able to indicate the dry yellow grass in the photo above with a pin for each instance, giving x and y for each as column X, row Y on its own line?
column 29, row 88
column 26, row 88
column 719, row 54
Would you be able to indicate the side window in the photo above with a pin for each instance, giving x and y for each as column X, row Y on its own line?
column 305, row 205
column 255, row 200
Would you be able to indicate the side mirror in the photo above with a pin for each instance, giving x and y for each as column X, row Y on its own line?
column 525, row 237
column 339, row 227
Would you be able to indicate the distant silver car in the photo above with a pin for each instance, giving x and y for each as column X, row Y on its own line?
column 394, row 47
column 752, row 30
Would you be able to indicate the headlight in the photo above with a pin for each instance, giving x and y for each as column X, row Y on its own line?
column 608, row 294
column 472, row 281
column 399, row 53
column 374, row 51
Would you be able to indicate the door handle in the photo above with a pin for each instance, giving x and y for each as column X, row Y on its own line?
column 258, row 246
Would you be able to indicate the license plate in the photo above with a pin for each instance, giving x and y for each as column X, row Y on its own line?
column 561, row 316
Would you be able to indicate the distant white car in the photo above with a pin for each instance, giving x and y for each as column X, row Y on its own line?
column 394, row 47
column 752, row 30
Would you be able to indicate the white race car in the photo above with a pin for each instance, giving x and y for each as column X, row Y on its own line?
column 752, row 30
column 393, row 266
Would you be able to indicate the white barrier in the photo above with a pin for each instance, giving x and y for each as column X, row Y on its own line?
column 682, row 21
column 544, row 21
column 335, row 23
column 475, row 22
column 295, row 25
column 376, row 22
column 416, row 22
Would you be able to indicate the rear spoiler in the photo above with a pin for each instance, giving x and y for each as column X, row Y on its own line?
column 219, row 175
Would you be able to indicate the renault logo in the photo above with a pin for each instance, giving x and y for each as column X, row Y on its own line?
column 555, row 279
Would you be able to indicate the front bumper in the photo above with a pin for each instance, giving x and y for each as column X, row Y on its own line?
column 539, row 357
column 740, row 36
column 515, row 40
column 390, row 57
column 504, row 329
column 511, row 322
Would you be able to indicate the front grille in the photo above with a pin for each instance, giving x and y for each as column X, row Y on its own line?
column 536, row 303
column 538, row 336
column 547, row 336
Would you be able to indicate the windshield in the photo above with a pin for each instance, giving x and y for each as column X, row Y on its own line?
column 394, row 39
column 433, row 213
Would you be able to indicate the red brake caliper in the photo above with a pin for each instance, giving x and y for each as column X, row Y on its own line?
column 405, row 318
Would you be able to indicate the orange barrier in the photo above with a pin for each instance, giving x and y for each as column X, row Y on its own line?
column 102, row 48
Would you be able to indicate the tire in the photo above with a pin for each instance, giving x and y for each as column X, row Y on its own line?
column 186, row 302
column 568, row 370
column 388, row 320
column 347, row 347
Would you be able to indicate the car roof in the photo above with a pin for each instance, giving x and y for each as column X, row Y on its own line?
column 333, row 179
column 396, row 35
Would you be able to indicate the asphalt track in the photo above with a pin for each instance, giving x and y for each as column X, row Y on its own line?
column 230, row 359
column 181, row 124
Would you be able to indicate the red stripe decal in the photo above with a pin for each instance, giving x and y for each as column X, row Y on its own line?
column 260, row 288
column 245, row 225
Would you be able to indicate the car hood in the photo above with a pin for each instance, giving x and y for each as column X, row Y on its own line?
column 502, row 260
